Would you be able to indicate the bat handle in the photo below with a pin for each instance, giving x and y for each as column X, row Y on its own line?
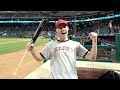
column 31, row 42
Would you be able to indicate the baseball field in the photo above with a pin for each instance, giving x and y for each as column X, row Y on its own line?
column 11, row 52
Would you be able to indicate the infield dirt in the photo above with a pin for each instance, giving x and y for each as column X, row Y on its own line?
column 10, row 61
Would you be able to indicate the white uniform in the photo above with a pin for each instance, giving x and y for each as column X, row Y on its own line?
column 63, row 58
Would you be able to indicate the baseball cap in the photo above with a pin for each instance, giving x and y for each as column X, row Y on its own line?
column 61, row 22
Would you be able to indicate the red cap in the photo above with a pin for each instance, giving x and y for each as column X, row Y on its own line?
column 60, row 22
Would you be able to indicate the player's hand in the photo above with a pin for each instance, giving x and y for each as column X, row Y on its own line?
column 30, row 46
column 93, row 36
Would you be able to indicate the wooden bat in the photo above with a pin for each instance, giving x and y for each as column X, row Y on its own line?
column 34, row 38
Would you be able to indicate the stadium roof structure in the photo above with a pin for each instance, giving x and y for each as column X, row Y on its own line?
column 49, row 14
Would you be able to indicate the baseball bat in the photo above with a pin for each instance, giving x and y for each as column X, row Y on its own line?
column 38, row 30
column 34, row 38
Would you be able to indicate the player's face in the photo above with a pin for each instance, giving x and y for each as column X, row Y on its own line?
column 62, row 31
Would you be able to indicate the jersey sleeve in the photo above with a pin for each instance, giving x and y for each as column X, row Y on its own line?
column 81, row 51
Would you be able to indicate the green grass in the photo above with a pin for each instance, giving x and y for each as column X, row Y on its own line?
column 15, row 46
column 8, row 40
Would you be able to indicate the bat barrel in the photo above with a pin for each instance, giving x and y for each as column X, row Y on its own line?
column 38, row 30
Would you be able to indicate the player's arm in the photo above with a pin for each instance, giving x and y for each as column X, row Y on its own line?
column 35, row 54
column 92, row 54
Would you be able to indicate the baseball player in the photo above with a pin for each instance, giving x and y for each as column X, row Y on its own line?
column 63, row 52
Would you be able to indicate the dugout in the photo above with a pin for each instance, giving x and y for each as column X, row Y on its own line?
column 108, row 47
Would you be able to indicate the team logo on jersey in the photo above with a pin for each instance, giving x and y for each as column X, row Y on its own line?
column 64, row 48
